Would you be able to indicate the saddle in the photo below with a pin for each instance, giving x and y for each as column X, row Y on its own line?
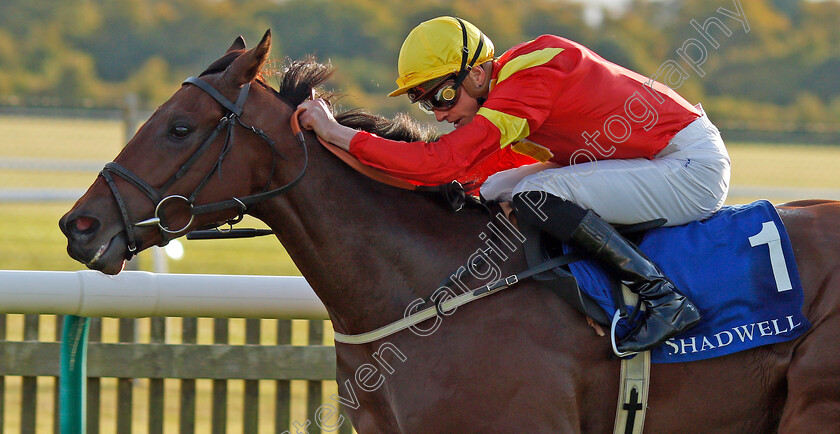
column 540, row 247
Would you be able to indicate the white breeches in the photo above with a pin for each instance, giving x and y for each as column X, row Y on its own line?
column 686, row 181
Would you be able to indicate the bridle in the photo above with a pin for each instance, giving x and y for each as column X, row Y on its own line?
column 228, row 124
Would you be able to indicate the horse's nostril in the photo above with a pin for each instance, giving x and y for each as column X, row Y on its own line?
column 82, row 224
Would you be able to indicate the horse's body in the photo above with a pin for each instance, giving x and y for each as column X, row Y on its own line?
column 517, row 361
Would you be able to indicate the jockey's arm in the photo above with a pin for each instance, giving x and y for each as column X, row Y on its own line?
column 452, row 156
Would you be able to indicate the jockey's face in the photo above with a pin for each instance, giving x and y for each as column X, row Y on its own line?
column 461, row 113
column 437, row 94
column 475, row 88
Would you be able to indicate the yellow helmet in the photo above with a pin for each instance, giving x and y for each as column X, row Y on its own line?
column 439, row 47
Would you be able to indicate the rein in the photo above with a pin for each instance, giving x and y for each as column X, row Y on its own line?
column 228, row 124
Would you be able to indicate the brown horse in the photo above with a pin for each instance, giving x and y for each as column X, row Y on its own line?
column 519, row 360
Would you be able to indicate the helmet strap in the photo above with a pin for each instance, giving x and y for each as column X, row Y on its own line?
column 465, row 52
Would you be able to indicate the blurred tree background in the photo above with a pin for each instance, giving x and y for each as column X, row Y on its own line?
column 92, row 52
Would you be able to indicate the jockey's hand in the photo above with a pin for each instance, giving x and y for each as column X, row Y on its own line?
column 319, row 118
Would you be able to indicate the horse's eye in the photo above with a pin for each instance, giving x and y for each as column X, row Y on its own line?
column 180, row 131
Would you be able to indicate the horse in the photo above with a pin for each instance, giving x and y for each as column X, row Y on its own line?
column 518, row 360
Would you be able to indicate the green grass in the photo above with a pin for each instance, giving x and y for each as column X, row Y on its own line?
column 75, row 139
column 30, row 238
column 785, row 165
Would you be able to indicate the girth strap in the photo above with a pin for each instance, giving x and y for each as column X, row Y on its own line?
column 634, row 383
column 452, row 303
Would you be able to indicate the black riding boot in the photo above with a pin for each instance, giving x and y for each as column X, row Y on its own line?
column 668, row 312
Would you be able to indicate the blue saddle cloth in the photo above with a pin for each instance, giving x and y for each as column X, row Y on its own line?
column 739, row 270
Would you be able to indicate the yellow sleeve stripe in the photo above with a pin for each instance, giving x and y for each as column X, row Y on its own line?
column 526, row 61
column 512, row 128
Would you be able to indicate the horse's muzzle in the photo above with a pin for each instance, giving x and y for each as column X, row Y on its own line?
column 88, row 244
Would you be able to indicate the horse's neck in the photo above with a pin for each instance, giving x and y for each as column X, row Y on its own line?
column 367, row 249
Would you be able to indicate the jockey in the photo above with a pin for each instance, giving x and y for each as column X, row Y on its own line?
column 586, row 143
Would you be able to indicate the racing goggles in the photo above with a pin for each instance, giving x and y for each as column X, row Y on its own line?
column 434, row 95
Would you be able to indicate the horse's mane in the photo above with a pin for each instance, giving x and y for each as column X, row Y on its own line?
column 297, row 78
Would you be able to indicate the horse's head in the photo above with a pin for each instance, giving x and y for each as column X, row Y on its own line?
column 197, row 162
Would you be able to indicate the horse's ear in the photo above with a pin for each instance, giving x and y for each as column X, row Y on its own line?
column 238, row 44
column 246, row 67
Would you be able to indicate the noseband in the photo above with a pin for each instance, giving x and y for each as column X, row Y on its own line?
column 227, row 123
